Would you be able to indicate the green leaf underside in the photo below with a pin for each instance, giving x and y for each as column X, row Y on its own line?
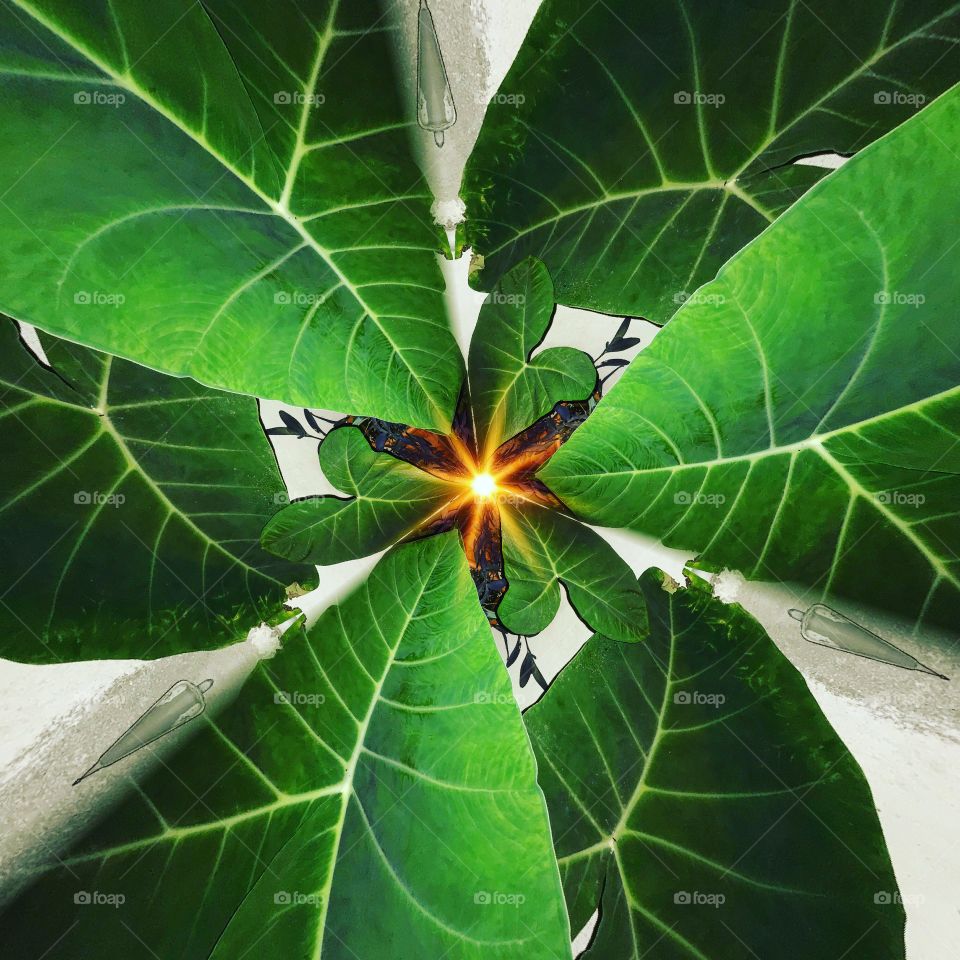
column 508, row 390
column 389, row 499
column 653, row 793
column 393, row 805
column 800, row 422
column 541, row 549
column 632, row 199
column 260, row 213
column 135, row 501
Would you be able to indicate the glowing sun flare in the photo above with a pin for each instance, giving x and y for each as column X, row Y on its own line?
column 483, row 485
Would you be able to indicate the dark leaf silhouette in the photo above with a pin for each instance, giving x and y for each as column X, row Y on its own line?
column 622, row 329
column 526, row 668
column 530, row 669
column 312, row 421
column 292, row 424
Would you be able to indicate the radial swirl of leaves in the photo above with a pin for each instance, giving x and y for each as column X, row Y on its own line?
column 517, row 408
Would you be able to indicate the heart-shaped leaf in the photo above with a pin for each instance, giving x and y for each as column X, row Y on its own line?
column 136, row 501
column 508, row 389
column 542, row 548
column 635, row 148
column 699, row 797
column 255, row 220
column 388, row 499
column 370, row 793
column 804, row 427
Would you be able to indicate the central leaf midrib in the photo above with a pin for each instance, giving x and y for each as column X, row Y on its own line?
column 362, row 728
column 500, row 391
column 817, row 446
column 808, row 443
column 296, row 155
column 668, row 681
column 608, row 842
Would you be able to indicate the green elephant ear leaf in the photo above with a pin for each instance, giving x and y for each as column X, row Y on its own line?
column 542, row 548
column 256, row 221
column 698, row 796
column 387, row 500
column 508, row 389
column 802, row 427
column 371, row 791
column 635, row 148
column 136, row 501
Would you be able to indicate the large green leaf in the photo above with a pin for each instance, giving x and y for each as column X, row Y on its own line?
column 597, row 156
column 542, row 548
column 370, row 793
column 799, row 421
column 135, row 501
column 700, row 798
column 255, row 219
column 508, row 389
column 388, row 499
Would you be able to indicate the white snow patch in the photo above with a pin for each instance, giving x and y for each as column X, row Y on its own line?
column 265, row 640
column 727, row 585
column 448, row 213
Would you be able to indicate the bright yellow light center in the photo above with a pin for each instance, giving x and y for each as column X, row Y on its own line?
column 483, row 485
